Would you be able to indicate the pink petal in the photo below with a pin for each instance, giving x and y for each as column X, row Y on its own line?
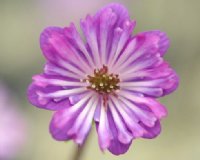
column 63, row 120
column 116, row 147
column 152, row 132
column 46, row 103
column 59, row 51
column 103, row 129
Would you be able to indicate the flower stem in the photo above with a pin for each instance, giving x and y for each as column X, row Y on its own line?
column 79, row 151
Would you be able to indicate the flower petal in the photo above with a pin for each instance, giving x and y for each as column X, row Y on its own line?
column 59, row 51
column 131, row 121
column 59, row 132
column 100, row 32
column 153, row 106
column 124, row 135
column 55, row 70
column 48, row 93
column 49, row 104
column 152, row 132
column 44, row 80
column 63, row 120
column 147, row 44
column 145, row 115
column 116, row 147
column 89, row 28
column 103, row 129
column 78, row 45
column 163, row 70
column 120, row 11
column 168, row 84
column 159, row 40
column 121, row 43
column 109, row 18
column 83, row 122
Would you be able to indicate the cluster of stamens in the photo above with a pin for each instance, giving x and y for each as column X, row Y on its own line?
column 102, row 82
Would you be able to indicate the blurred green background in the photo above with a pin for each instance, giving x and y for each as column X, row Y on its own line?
column 20, row 57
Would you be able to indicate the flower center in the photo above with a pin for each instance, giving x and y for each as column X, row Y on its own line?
column 102, row 82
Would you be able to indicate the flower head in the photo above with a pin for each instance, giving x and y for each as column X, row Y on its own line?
column 111, row 77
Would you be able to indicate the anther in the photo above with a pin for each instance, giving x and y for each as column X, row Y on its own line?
column 93, row 86
column 101, row 84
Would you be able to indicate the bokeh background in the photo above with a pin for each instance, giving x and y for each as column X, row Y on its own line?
column 21, row 22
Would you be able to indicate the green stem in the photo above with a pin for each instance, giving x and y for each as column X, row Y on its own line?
column 79, row 151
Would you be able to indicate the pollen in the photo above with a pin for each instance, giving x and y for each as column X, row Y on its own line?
column 93, row 86
column 102, row 82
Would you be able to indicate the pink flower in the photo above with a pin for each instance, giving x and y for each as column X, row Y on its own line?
column 12, row 126
column 111, row 77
